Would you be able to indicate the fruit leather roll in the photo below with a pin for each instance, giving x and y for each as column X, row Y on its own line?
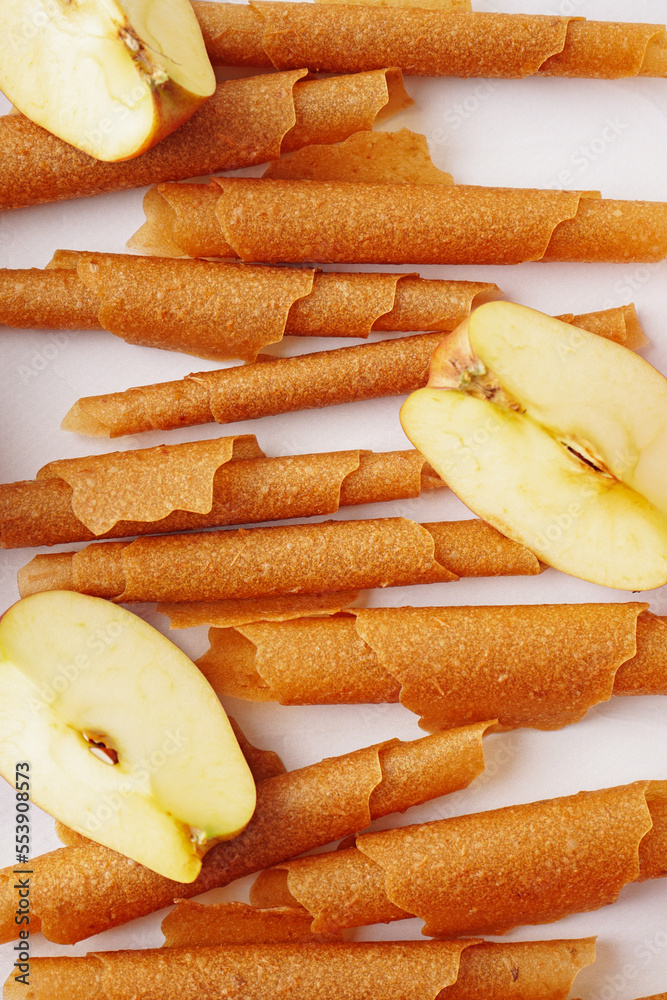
column 84, row 888
column 192, row 924
column 342, row 39
column 393, row 970
column 260, row 219
column 534, row 665
column 246, row 121
column 217, row 310
column 567, row 855
column 285, row 385
column 198, row 484
column 290, row 559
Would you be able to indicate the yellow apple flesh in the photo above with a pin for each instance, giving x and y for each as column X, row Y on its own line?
column 556, row 437
column 127, row 742
column 111, row 77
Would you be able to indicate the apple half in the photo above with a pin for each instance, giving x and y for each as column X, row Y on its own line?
column 126, row 741
column 111, row 77
column 556, row 436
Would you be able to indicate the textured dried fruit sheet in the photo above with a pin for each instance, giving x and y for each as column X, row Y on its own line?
column 223, row 614
column 376, row 157
column 427, row 42
column 222, row 310
column 260, row 219
column 192, row 924
column 270, row 386
column 284, row 385
column 274, row 220
column 197, row 484
column 395, row 970
column 342, row 971
column 247, row 121
column 291, row 559
column 534, row 665
column 568, row 855
column 84, row 889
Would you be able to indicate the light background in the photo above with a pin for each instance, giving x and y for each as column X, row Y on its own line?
column 606, row 135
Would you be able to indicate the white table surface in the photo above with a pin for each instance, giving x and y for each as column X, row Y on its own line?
column 606, row 135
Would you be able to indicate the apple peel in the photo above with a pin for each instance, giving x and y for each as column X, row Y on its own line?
column 532, row 423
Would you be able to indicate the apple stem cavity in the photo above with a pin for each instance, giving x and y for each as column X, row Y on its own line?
column 155, row 75
column 197, row 836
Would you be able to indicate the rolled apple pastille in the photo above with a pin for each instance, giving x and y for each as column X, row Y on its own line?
column 83, row 889
column 535, row 665
column 286, row 385
column 395, row 970
column 197, row 484
column 514, row 382
column 272, row 385
column 285, row 607
column 290, row 559
column 181, row 221
column 568, row 855
column 127, row 787
column 192, row 924
column 222, row 310
column 218, row 310
column 260, row 219
column 246, row 121
column 428, row 42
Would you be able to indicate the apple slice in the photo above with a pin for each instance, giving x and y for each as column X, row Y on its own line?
column 126, row 740
column 555, row 436
column 111, row 77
